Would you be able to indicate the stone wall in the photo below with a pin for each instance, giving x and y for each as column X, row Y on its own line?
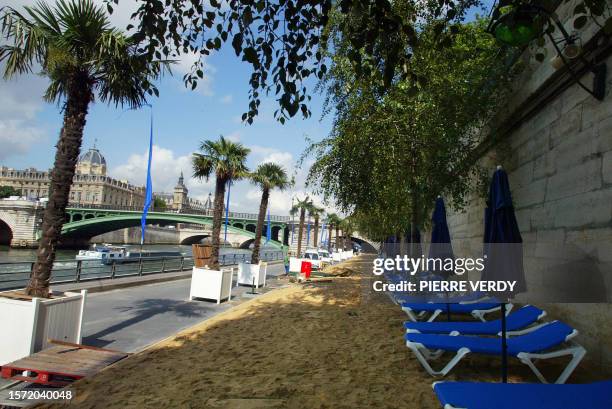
column 131, row 235
column 559, row 162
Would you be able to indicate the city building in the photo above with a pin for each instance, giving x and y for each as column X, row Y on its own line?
column 90, row 185
column 180, row 201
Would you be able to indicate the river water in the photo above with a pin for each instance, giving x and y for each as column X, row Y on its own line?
column 8, row 254
column 15, row 264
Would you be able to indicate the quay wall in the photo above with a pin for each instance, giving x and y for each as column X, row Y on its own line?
column 556, row 145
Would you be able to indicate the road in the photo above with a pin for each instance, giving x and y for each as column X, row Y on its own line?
column 132, row 318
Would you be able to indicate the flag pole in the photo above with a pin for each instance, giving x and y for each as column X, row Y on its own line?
column 229, row 188
column 149, row 190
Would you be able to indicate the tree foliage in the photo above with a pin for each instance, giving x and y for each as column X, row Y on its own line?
column 392, row 152
column 285, row 41
column 7, row 191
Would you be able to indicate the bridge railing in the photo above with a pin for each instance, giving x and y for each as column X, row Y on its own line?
column 204, row 212
column 16, row 274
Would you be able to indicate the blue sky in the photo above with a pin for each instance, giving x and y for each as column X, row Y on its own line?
column 29, row 127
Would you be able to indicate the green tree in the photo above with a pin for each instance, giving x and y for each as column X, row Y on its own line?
column 267, row 176
column 6, row 191
column 285, row 42
column 83, row 57
column 227, row 161
column 301, row 207
column 417, row 142
column 159, row 203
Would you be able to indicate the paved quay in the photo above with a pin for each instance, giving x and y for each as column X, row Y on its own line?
column 129, row 314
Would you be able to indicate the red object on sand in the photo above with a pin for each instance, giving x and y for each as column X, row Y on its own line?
column 306, row 269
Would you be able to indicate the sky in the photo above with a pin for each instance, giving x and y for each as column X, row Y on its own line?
column 29, row 128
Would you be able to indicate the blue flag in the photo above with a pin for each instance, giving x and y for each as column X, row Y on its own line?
column 229, row 188
column 269, row 229
column 149, row 192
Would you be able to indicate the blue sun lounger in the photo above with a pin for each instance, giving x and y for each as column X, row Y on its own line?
column 478, row 310
column 471, row 297
column 519, row 319
column 545, row 341
column 480, row 395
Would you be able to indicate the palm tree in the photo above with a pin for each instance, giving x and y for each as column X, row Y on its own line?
column 315, row 212
column 301, row 206
column 333, row 220
column 227, row 160
column 267, row 176
column 83, row 57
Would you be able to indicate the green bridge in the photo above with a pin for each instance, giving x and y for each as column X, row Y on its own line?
column 84, row 222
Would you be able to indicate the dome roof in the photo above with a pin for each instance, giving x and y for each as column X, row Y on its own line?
column 93, row 156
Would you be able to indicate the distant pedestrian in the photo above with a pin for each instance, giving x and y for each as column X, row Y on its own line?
column 287, row 263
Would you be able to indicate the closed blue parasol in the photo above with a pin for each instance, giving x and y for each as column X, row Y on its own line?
column 440, row 247
column 503, row 250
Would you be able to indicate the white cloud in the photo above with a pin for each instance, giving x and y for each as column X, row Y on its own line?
column 234, row 136
column 184, row 66
column 165, row 170
column 18, row 138
column 226, row 99
column 245, row 197
column 20, row 101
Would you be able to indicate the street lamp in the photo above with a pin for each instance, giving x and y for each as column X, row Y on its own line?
column 518, row 25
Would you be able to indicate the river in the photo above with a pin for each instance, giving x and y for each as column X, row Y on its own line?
column 8, row 254
column 15, row 264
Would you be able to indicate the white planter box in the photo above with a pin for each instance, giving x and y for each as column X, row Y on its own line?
column 295, row 264
column 347, row 254
column 252, row 273
column 26, row 326
column 337, row 257
column 211, row 284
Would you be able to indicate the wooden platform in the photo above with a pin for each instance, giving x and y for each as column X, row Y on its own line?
column 61, row 364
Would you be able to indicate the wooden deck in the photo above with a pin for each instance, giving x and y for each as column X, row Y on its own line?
column 61, row 364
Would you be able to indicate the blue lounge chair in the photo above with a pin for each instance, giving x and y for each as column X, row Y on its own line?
column 519, row 319
column 440, row 298
column 478, row 310
column 545, row 341
column 479, row 395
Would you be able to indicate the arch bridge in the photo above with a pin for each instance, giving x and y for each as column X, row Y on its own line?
column 84, row 222
column 20, row 223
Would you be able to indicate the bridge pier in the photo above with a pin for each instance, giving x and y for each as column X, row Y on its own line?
column 20, row 222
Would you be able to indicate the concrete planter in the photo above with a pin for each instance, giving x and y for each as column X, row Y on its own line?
column 345, row 255
column 249, row 274
column 27, row 325
column 295, row 264
column 211, row 284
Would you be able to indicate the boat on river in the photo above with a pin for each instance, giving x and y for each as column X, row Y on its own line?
column 109, row 254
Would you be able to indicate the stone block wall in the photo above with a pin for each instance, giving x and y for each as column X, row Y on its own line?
column 559, row 163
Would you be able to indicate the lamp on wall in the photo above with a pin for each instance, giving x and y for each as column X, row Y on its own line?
column 516, row 25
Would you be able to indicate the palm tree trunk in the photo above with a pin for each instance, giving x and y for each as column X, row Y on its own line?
column 301, row 232
column 217, row 218
column 329, row 238
column 261, row 217
column 316, row 230
column 66, row 156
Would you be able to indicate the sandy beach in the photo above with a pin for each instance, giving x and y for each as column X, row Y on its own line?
column 316, row 345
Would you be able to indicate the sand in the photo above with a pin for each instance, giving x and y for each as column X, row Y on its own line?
column 314, row 345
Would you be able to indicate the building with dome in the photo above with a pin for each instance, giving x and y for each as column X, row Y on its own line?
column 90, row 185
